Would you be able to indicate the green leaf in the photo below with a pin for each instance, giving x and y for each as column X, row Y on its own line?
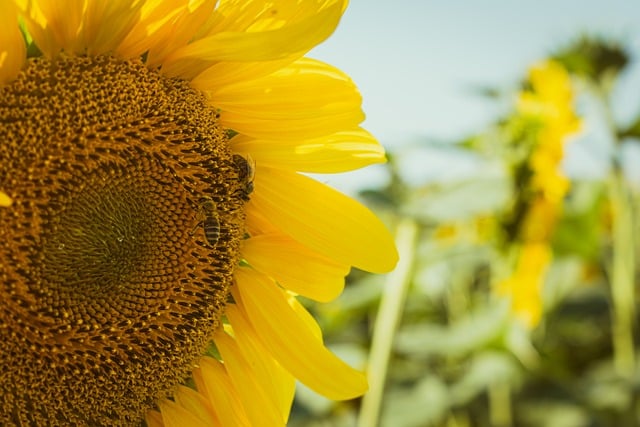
column 632, row 131
column 424, row 403
column 595, row 58
column 477, row 330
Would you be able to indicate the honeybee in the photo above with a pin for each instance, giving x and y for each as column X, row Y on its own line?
column 208, row 218
column 246, row 173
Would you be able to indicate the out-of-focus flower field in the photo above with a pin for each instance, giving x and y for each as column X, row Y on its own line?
column 515, row 300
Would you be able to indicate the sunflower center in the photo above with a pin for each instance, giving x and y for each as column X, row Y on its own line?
column 119, row 249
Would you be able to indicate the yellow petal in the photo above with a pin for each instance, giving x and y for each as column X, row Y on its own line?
column 153, row 419
column 227, row 73
column 248, row 381
column 259, row 15
column 278, row 382
column 307, row 99
column 54, row 24
column 212, row 380
column 328, row 121
column 238, row 15
column 305, row 316
column 295, row 38
column 291, row 341
column 323, row 219
column 338, row 152
column 258, row 224
column 12, row 53
column 295, row 266
column 178, row 33
column 151, row 27
column 80, row 26
column 106, row 23
column 173, row 415
column 196, row 404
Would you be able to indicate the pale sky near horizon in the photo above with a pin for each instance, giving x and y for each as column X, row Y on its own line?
column 416, row 62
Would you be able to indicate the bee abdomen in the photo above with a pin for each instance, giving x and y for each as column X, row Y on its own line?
column 211, row 229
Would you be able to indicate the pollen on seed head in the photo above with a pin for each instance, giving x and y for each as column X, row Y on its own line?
column 5, row 200
column 109, row 288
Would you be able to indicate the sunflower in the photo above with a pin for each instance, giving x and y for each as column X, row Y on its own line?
column 547, row 109
column 157, row 224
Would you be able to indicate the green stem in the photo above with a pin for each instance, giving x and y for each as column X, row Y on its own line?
column 622, row 263
column 500, row 404
column 622, row 270
column 391, row 307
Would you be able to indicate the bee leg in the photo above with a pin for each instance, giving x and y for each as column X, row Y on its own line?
column 198, row 224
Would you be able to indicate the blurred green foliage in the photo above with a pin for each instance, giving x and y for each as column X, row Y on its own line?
column 460, row 356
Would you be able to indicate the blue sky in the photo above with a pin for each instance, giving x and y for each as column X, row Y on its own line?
column 416, row 62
